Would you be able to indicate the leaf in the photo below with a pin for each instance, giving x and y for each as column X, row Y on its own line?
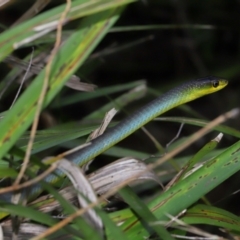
column 145, row 214
column 201, row 123
column 112, row 175
column 210, row 215
column 84, row 191
column 70, row 56
column 189, row 190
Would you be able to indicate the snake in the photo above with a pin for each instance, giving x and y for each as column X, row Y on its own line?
column 186, row 92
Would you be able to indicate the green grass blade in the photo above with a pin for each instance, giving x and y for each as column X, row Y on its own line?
column 70, row 56
column 197, row 158
column 11, row 39
column 190, row 189
column 119, row 102
column 112, row 230
column 142, row 210
column 201, row 123
column 27, row 212
column 53, row 137
column 76, row 97
column 203, row 214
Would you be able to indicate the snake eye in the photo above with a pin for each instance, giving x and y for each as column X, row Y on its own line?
column 215, row 84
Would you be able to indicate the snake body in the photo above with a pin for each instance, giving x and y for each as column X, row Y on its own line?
column 182, row 94
column 175, row 97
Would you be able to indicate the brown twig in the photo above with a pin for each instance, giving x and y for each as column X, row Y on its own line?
column 43, row 93
column 30, row 182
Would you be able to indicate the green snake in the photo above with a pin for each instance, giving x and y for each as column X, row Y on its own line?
column 179, row 95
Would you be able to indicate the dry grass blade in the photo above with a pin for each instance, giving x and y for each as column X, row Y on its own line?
column 1, row 232
column 73, row 82
column 69, row 193
column 112, row 175
column 3, row 2
column 100, row 130
column 85, row 191
column 107, row 119
column 186, row 227
column 103, row 180
column 26, row 230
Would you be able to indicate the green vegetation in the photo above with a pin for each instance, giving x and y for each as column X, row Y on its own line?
column 133, row 51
